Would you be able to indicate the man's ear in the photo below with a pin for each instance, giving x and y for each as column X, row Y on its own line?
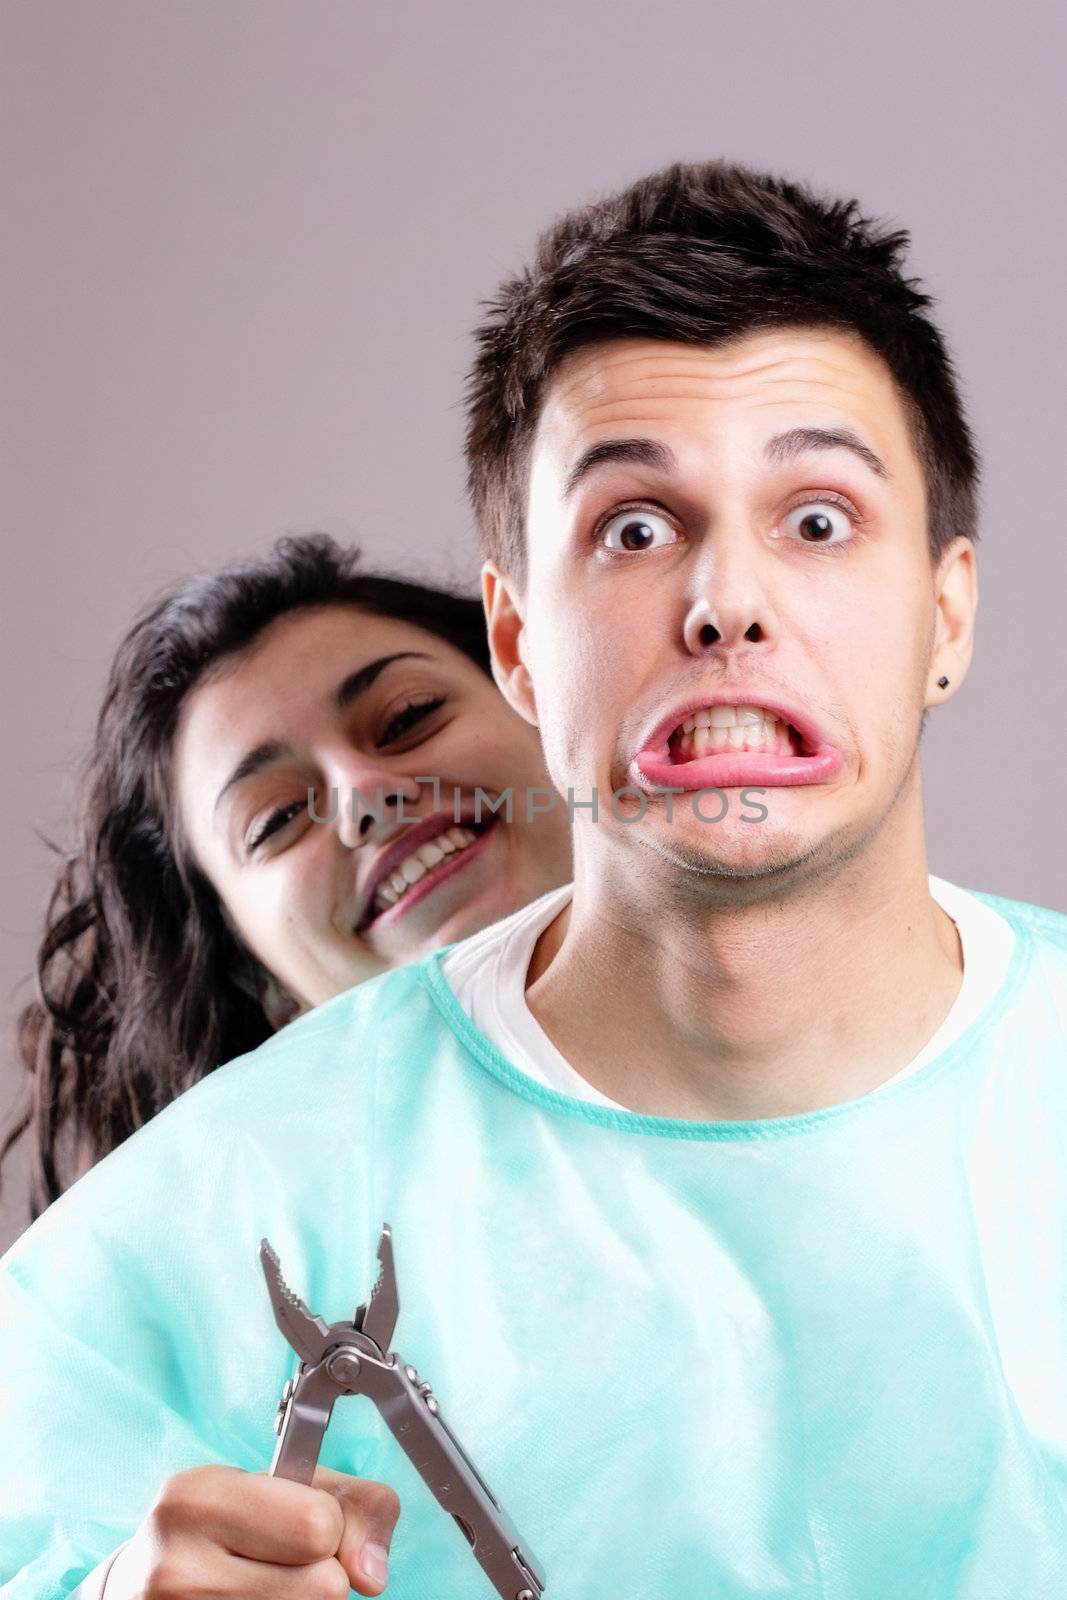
column 275, row 1001
column 956, row 588
column 505, row 624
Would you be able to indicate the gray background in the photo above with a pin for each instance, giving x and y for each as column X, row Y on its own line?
column 244, row 244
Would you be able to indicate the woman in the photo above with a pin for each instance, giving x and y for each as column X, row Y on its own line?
column 289, row 791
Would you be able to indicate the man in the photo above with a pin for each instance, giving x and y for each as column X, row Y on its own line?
column 727, row 1188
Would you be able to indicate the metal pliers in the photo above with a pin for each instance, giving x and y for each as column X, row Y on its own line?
column 354, row 1358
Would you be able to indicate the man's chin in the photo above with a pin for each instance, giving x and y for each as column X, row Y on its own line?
column 762, row 861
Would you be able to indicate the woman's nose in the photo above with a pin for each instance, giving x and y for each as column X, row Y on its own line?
column 370, row 798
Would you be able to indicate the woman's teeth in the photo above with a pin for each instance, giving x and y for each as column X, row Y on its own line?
column 732, row 728
column 419, row 863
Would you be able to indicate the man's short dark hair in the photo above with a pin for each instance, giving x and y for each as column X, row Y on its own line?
column 702, row 254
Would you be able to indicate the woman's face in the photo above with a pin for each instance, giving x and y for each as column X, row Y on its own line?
column 364, row 711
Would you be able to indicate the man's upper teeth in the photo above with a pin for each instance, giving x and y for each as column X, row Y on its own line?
column 733, row 727
column 726, row 717
column 419, row 863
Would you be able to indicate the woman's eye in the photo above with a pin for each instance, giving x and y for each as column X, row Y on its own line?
column 276, row 821
column 634, row 531
column 819, row 522
column 407, row 717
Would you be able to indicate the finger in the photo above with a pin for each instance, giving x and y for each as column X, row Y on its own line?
column 267, row 1580
column 252, row 1514
column 370, row 1512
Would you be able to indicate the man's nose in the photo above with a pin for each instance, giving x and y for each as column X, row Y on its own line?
column 370, row 796
column 730, row 605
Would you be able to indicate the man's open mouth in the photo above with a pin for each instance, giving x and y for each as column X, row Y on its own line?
column 729, row 744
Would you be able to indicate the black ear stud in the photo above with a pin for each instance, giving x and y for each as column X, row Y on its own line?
column 942, row 683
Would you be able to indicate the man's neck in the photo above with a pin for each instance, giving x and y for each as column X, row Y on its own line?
column 744, row 1012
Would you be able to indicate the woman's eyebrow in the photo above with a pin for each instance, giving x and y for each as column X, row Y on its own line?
column 359, row 682
column 262, row 756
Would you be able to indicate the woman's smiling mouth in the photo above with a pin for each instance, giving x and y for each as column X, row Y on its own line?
column 409, row 878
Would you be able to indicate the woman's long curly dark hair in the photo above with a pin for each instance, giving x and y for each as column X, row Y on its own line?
column 139, row 991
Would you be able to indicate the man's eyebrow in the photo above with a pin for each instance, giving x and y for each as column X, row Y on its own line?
column 349, row 689
column 786, row 446
column 639, row 452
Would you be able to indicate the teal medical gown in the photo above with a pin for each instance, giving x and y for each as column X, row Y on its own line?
column 822, row 1357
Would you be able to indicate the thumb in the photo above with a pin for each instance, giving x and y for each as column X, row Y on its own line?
column 370, row 1511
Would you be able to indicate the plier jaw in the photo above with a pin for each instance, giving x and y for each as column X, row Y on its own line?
column 309, row 1336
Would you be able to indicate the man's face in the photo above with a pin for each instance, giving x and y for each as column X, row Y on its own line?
column 705, row 543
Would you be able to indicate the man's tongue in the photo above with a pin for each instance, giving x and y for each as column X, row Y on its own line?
column 721, row 730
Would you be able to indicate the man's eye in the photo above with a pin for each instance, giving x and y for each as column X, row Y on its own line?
column 820, row 522
column 635, row 530
column 407, row 717
column 277, row 820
